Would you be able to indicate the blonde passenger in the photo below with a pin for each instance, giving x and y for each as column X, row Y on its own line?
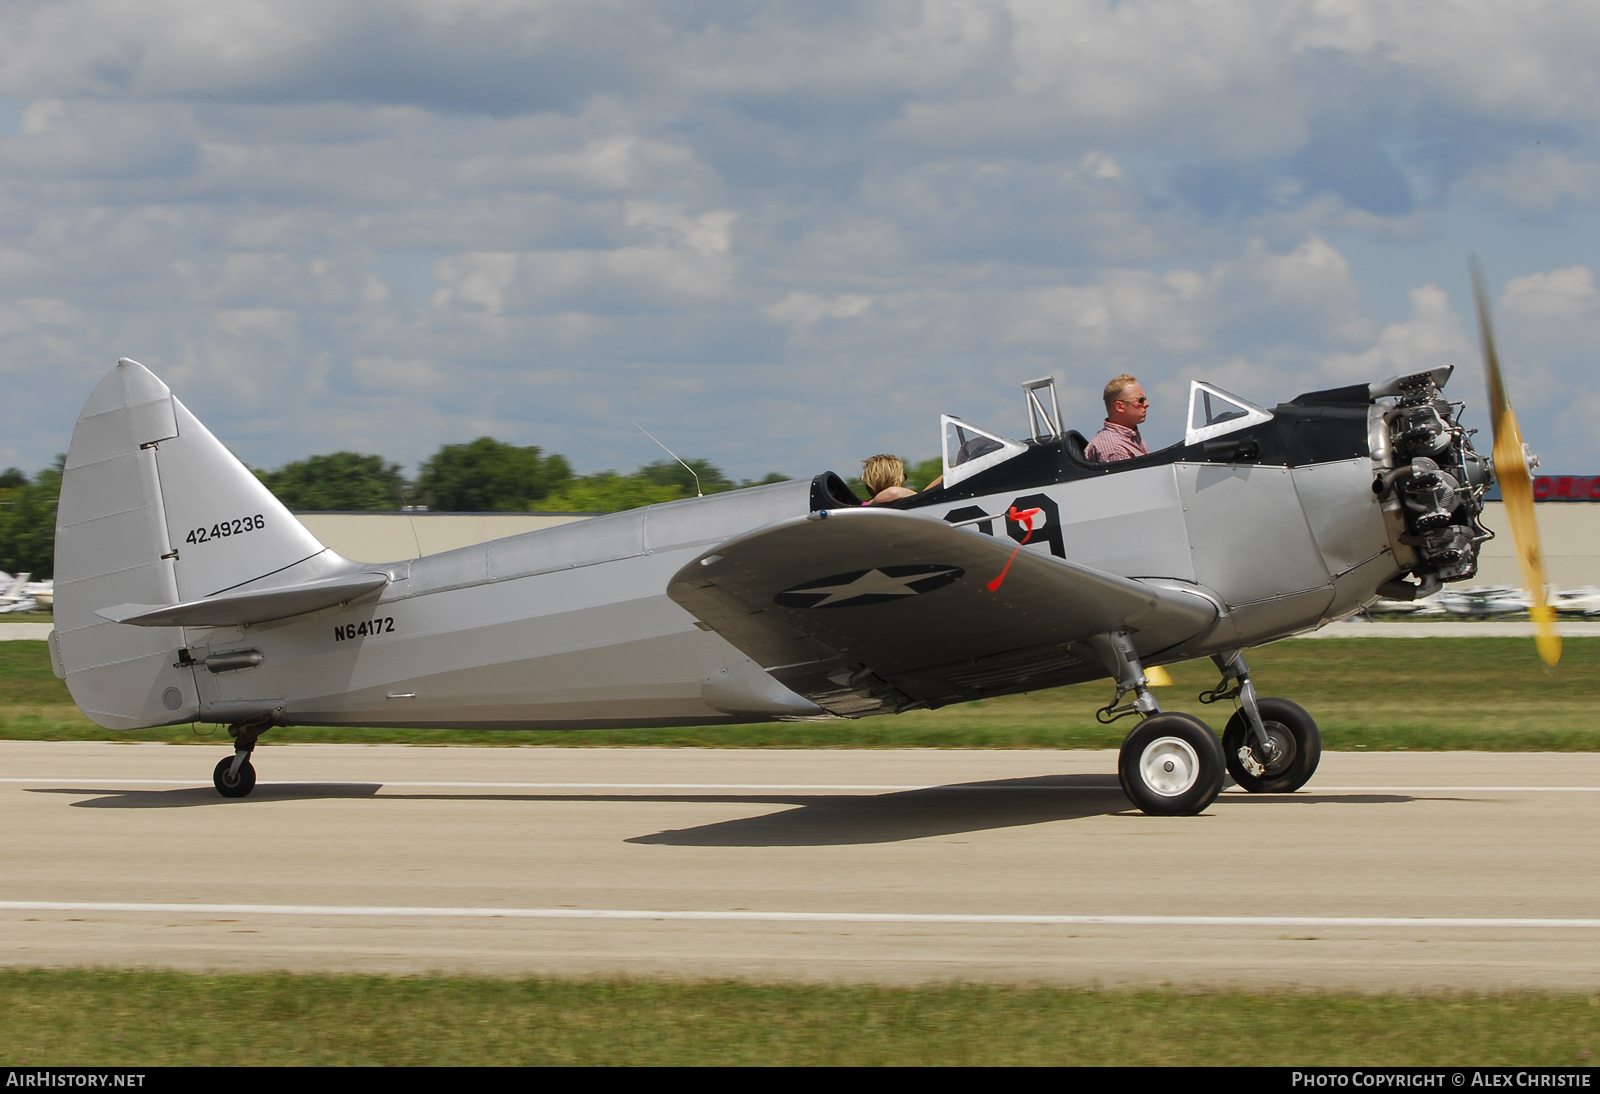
column 885, row 477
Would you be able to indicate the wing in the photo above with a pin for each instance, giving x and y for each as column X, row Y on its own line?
column 869, row 610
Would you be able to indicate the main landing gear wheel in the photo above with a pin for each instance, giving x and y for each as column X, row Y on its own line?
column 236, row 785
column 1171, row 765
column 1299, row 747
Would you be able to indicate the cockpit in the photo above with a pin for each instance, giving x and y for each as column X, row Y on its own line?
column 979, row 460
column 970, row 450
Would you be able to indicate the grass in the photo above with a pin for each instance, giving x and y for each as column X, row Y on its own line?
column 131, row 1019
column 1365, row 693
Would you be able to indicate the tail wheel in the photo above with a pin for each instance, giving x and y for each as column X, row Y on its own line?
column 1298, row 741
column 1171, row 765
column 236, row 784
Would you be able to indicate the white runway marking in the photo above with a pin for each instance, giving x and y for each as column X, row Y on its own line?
column 386, row 911
column 1109, row 783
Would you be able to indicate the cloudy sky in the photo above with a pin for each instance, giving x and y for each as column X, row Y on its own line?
column 782, row 236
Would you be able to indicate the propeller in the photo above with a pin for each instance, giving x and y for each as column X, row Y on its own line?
column 1516, row 482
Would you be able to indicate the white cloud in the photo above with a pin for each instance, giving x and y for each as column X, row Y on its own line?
column 1505, row 57
column 590, row 279
column 475, row 280
column 48, row 312
column 1431, row 337
column 1559, row 294
column 274, row 323
column 801, row 309
column 707, row 234
column 1548, row 333
column 1128, row 311
column 1141, row 63
column 1100, row 166
column 16, row 264
column 613, row 163
column 42, row 115
column 525, row 208
column 1230, row 72
column 1305, row 294
column 632, row 276
column 1541, row 181
column 387, row 374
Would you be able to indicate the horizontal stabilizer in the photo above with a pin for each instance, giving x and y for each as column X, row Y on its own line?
column 253, row 607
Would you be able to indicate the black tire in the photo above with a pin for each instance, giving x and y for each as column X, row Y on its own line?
column 240, row 785
column 1171, row 765
column 1296, row 733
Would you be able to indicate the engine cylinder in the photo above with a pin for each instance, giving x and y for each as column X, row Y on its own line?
column 1432, row 482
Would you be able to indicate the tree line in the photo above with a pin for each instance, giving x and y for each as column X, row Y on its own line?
column 486, row 476
column 28, row 520
column 482, row 476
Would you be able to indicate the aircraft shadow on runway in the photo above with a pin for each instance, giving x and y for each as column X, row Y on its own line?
column 810, row 820
column 935, row 811
column 189, row 796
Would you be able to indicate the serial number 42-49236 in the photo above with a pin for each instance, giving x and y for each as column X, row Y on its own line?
column 223, row 529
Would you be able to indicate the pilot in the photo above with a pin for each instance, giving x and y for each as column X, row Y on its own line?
column 1118, row 439
column 885, row 476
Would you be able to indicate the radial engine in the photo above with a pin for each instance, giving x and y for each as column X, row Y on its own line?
column 1431, row 482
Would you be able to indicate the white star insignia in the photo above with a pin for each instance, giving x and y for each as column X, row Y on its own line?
column 871, row 583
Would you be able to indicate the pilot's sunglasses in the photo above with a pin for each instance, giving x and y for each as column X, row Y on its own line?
column 1143, row 400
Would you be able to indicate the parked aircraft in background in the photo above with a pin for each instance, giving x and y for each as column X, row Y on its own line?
column 1481, row 601
column 18, row 594
column 1584, row 601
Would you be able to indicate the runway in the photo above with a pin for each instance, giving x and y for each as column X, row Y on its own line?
column 1392, row 871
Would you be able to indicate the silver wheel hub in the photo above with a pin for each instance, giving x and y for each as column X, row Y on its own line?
column 1169, row 766
column 1283, row 749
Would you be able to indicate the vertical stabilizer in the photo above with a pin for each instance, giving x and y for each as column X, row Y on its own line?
column 225, row 526
column 154, row 510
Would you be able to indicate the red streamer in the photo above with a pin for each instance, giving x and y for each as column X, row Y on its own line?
column 1024, row 518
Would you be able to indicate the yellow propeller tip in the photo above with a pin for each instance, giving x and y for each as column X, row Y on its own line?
column 1157, row 677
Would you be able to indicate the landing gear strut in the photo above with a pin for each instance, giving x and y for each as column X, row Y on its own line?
column 235, row 776
column 1272, row 746
column 1170, row 764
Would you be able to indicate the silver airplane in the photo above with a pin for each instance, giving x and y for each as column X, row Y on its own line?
column 186, row 592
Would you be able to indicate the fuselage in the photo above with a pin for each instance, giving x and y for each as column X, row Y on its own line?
column 571, row 627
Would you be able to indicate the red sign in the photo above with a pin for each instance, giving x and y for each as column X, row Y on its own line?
column 1566, row 488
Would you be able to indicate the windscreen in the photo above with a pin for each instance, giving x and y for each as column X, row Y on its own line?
column 1214, row 412
column 962, row 444
column 1212, row 409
